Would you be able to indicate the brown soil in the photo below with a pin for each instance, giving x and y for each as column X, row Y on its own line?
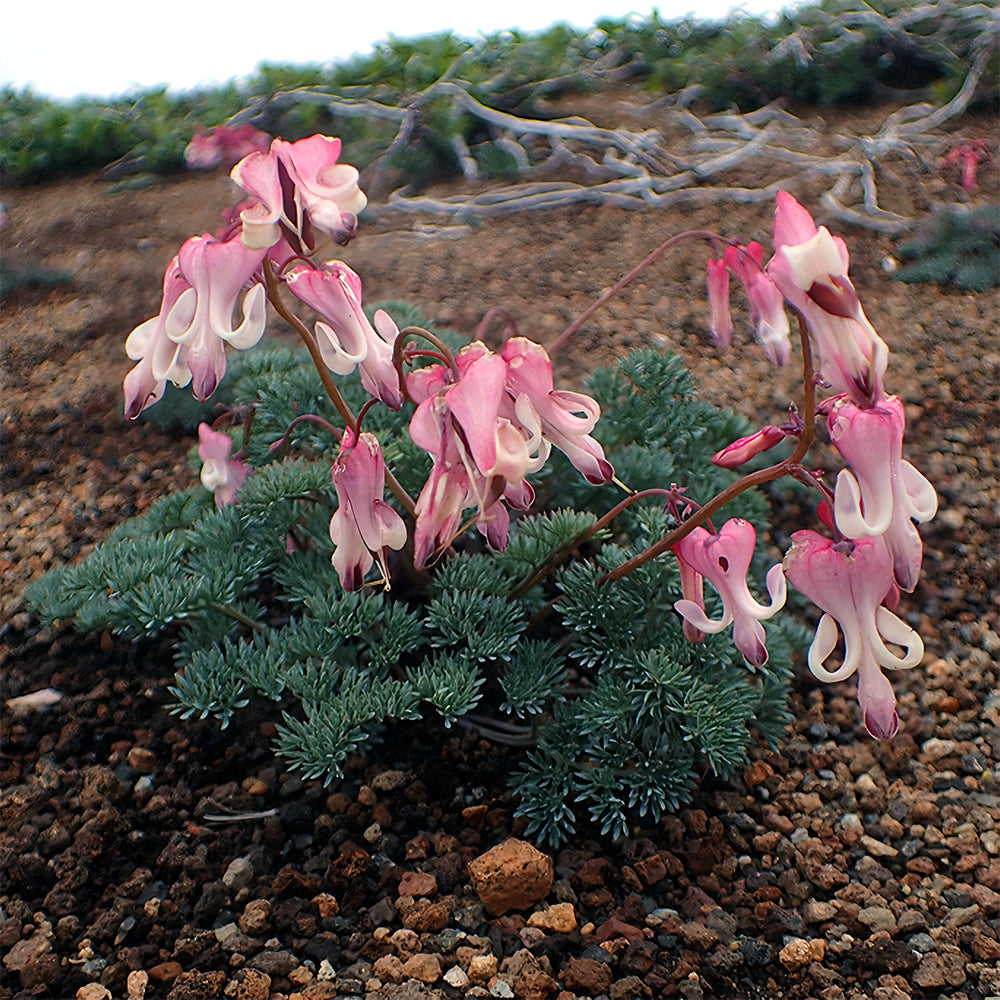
column 885, row 857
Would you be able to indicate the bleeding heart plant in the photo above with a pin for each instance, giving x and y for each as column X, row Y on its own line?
column 426, row 614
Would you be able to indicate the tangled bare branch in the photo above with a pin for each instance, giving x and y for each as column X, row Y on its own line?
column 565, row 161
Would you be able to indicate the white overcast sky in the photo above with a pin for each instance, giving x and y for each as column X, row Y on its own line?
column 65, row 48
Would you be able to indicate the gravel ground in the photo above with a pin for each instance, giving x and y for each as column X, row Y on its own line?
column 140, row 853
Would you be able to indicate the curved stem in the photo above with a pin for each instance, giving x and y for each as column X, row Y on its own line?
column 699, row 234
column 236, row 615
column 397, row 356
column 509, row 323
column 540, row 572
column 500, row 731
column 757, row 478
column 312, row 418
column 274, row 296
column 431, row 338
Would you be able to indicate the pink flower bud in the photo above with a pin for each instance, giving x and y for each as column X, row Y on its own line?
column 718, row 299
column 743, row 449
column 767, row 304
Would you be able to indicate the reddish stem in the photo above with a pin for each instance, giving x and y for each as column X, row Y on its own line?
column 757, row 478
column 273, row 286
column 699, row 234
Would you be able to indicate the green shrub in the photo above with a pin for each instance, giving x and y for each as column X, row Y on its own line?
column 622, row 714
column 958, row 247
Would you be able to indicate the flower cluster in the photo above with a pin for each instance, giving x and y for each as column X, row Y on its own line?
column 489, row 419
column 298, row 189
column 854, row 577
column 487, row 424
column 224, row 145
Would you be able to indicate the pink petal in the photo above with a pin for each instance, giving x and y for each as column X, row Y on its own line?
column 792, row 223
column 718, row 298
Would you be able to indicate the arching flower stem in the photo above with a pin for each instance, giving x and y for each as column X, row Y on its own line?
column 772, row 472
column 627, row 279
column 274, row 297
column 443, row 353
column 510, row 324
column 310, row 418
column 540, row 572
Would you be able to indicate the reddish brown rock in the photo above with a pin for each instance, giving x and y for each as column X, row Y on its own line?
column 930, row 973
column 142, row 760
column 165, row 971
column 426, row 968
column 586, row 976
column 26, row 951
column 698, row 936
column 251, row 984
column 529, row 975
column 986, row 949
column 534, row 983
column 482, row 968
column 417, row 884
column 198, row 986
column 616, row 928
column 557, row 919
column 32, row 959
column 256, row 917
column 511, row 876
column 327, row 905
column 652, row 869
column 799, row 953
column 423, row 916
column 593, row 874
column 389, row 969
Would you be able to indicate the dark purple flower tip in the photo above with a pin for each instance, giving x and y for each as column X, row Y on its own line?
column 883, row 728
column 755, row 654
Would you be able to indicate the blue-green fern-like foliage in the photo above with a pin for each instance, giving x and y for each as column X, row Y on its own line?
column 623, row 715
column 958, row 247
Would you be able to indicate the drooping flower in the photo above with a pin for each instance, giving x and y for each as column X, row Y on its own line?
column 565, row 418
column 300, row 189
column 881, row 494
column 767, row 304
column 721, row 324
column 201, row 318
column 439, row 511
column 970, row 153
column 364, row 525
column 693, row 591
column 160, row 359
column 219, row 473
column 345, row 337
column 849, row 581
column 480, row 454
column 810, row 266
column 488, row 422
column 724, row 560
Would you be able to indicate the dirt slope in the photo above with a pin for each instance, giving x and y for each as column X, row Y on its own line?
column 882, row 854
